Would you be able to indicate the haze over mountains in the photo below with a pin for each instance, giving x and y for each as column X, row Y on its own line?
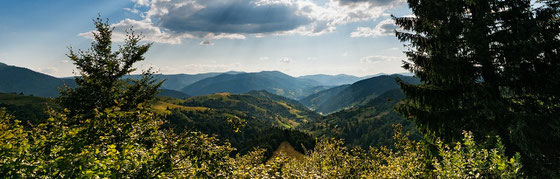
column 272, row 81
column 321, row 93
column 358, row 93
column 276, row 107
column 23, row 80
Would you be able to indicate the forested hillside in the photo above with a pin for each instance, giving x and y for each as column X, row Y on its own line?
column 367, row 125
column 484, row 103
column 27, row 109
column 271, row 81
column 357, row 94
column 22, row 80
column 247, row 121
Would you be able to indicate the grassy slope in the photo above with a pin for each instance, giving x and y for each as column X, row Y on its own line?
column 270, row 119
column 288, row 150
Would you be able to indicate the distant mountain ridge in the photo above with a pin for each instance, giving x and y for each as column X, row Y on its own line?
column 179, row 81
column 359, row 93
column 22, row 80
column 367, row 125
column 18, row 79
column 272, row 81
column 332, row 80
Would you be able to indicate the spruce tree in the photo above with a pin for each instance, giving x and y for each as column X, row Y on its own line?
column 100, row 83
column 490, row 67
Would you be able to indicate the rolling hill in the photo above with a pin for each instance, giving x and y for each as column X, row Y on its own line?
column 173, row 94
column 271, row 81
column 22, row 80
column 269, row 119
column 179, row 81
column 319, row 99
column 28, row 109
column 368, row 125
column 332, row 80
column 359, row 93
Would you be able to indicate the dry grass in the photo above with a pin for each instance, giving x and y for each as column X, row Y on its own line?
column 288, row 150
column 162, row 107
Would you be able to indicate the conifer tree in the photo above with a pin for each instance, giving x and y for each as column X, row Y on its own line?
column 490, row 67
column 100, row 83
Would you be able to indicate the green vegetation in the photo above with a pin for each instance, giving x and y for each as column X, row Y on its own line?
column 490, row 67
column 330, row 159
column 357, row 94
column 21, row 80
column 247, row 121
column 481, row 74
column 28, row 109
column 172, row 93
column 367, row 125
column 271, row 81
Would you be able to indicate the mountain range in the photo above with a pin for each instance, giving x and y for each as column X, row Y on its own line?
column 22, row 80
column 358, row 93
column 272, row 81
column 321, row 93
column 276, row 107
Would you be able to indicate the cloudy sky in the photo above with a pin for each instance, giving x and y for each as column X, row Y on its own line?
column 297, row 37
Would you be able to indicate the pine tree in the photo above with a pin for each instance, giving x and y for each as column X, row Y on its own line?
column 490, row 67
column 107, row 127
column 100, row 84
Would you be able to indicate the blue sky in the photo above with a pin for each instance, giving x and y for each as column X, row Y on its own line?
column 297, row 37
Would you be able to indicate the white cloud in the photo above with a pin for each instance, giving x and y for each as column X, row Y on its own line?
column 146, row 28
column 142, row 2
column 48, row 70
column 384, row 28
column 285, row 60
column 312, row 58
column 169, row 21
column 193, row 68
column 134, row 10
column 371, row 2
column 224, row 36
column 202, row 68
column 379, row 58
column 321, row 18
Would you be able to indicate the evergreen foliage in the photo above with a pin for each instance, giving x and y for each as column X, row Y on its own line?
column 101, row 70
column 107, row 128
column 490, row 67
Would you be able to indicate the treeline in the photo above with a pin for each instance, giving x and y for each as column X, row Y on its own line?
column 255, row 133
column 28, row 109
column 490, row 67
column 367, row 125
column 116, row 133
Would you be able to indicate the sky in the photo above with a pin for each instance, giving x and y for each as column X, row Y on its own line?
column 297, row 37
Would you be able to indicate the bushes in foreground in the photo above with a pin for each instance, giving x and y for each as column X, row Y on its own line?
column 50, row 151
column 331, row 159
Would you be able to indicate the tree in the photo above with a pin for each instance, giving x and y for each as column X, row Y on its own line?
column 107, row 127
column 490, row 67
column 101, row 84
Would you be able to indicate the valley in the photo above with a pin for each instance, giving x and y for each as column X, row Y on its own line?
column 259, row 110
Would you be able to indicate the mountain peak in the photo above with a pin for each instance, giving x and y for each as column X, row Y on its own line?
column 3, row 64
column 234, row 72
column 273, row 72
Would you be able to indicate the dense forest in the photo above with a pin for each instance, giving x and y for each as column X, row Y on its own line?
column 484, row 103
